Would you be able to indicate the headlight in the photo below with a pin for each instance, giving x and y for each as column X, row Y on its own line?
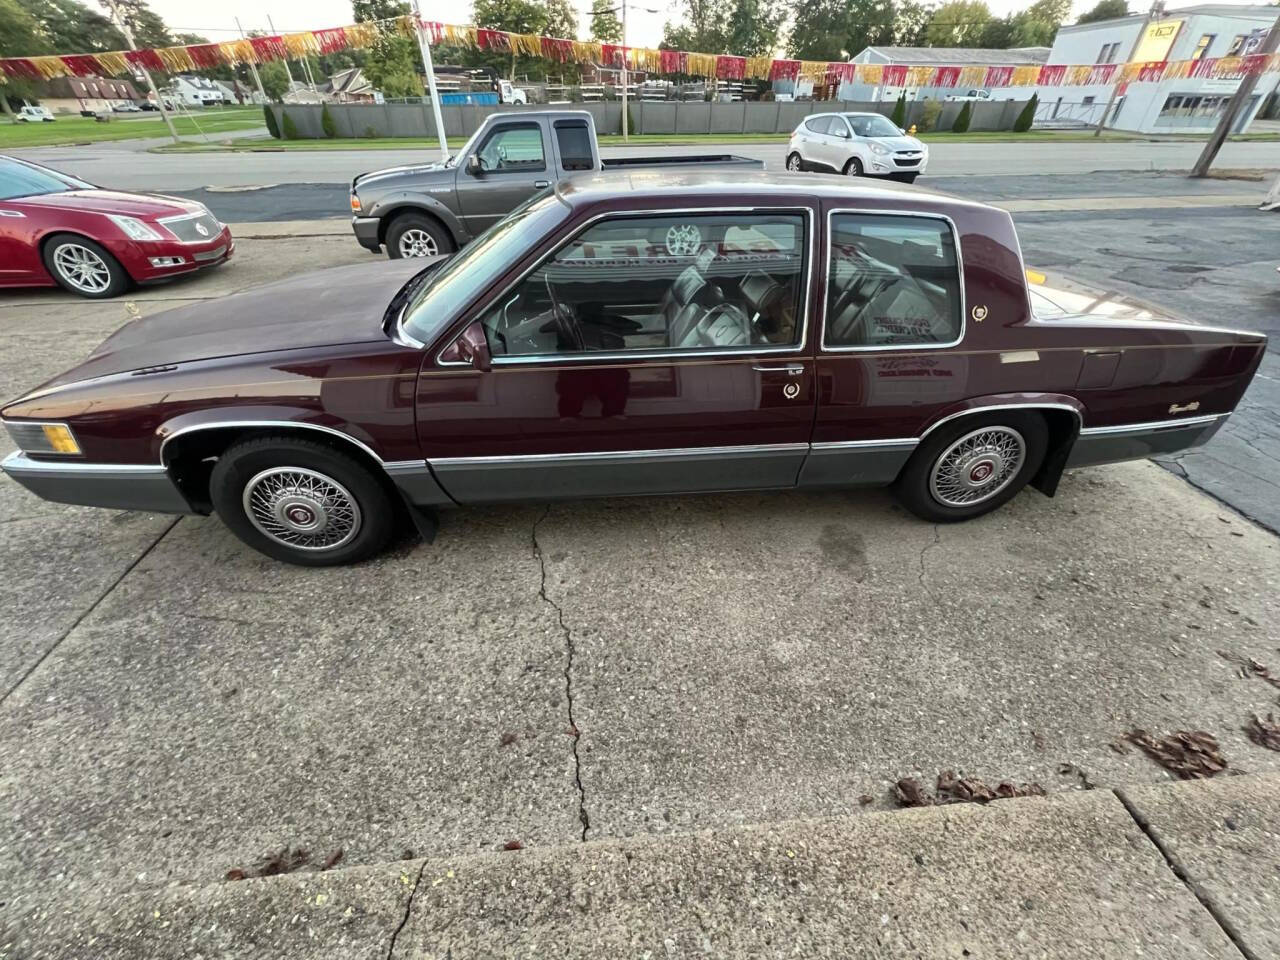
column 880, row 149
column 43, row 438
column 134, row 228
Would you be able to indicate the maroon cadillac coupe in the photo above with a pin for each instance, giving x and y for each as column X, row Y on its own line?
column 629, row 334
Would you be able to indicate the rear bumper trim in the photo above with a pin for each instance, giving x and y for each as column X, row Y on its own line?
column 1137, row 441
column 115, row 486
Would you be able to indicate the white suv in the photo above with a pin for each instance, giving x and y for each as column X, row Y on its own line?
column 857, row 145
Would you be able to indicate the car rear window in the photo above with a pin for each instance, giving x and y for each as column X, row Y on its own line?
column 574, row 141
column 20, row 180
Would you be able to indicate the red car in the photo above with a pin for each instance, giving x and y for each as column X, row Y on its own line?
column 55, row 228
column 622, row 335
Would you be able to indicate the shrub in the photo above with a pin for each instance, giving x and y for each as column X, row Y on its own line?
column 899, row 116
column 963, row 118
column 1028, row 115
column 929, row 112
column 370, row 133
column 288, row 127
column 326, row 122
column 269, row 115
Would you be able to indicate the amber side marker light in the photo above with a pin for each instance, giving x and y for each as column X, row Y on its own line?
column 43, row 437
column 355, row 203
column 1036, row 277
column 60, row 438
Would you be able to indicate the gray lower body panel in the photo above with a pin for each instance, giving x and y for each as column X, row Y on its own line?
column 628, row 473
column 856, row 464
column 115, row 486
column 1141, row 440
column 366, row 231
column 415, row 481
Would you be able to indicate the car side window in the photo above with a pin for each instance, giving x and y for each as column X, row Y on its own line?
column 513, row 148
column 818, row 124
column 839, row 128
column 892, row 280
column 660, row 283
column 574, row 141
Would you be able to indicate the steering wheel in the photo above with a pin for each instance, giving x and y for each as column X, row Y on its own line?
column 566, row 324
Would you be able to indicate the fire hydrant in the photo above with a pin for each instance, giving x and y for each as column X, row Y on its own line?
column 912, row 129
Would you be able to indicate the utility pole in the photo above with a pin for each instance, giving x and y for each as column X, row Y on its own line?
column 1234, row 106
column 425, row 48
column 625, row 132
column 287, row 72
column 151, row 84
column 1156, row 11
column 253, row 69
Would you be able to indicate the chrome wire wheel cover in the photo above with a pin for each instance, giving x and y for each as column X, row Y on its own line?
column 301, row 508
column 416, row 242
column 977, row 466
column 82, row 268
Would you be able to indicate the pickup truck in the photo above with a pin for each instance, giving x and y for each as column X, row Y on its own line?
column 424, row 209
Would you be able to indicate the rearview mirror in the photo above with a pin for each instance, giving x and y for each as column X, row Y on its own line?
column 473, row 166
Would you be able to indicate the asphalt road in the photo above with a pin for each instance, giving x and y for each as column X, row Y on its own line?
column 125, row 167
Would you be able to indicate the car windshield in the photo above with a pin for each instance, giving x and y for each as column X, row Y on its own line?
column 873, row 126
column 22, row 180
column 472, row 271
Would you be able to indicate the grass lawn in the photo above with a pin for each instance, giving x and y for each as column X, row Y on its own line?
column 657, row 139
column 126, row 126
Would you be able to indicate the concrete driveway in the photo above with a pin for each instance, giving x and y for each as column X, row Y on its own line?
column 178, row 706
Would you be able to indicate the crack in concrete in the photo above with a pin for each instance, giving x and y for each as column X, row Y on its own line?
column 1224, row 923
column 937, row 539
column 583, row 818
column 408, row 909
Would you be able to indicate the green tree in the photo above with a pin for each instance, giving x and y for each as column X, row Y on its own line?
column 19, row 36
column 1105, row 10
column 326, row 122
column 148, row 28
column 561, row 19
column 1028, row 115
column 605, row 25
column 288, row 127
column 70, row 27
column 899, row 115
column 269, row 116
column 515, row 16
column 392, row 64
column 748, row 28
column 275, row 81
column 963, row 118
column 838, row 29
column 958, row 23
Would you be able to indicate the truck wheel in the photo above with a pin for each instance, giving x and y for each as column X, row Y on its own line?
column 416, row 235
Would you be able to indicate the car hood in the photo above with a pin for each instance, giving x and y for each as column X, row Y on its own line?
column 342, row 305
column 900, row 143
column 377, row 179
column 112, row 201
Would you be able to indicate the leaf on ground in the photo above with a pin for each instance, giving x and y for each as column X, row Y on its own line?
column 1265, row 733
column 910, row 793
column 507, row 739
column 332, row 860
column 953, row 789
column 236, row 874
column 513, row 845
column 1250, row 667
column 1188, row 754
column 283, row 861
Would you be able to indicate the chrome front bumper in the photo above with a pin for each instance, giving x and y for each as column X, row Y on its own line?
column 116, row 486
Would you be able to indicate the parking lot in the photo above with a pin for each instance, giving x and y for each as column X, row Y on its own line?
column 178, row 706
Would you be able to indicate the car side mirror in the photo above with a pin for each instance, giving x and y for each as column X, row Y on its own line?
column 471, row 347
column 474, row 169
column 901, row 131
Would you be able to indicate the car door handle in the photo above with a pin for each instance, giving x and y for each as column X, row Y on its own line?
column 794, row 369
column 539, row 184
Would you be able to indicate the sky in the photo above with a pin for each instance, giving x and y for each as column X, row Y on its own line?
column 217, row 21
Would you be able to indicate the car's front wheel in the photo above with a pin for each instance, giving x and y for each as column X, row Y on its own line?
column 853, row 168
column 416, row 235
column 84, row 267
column 973, row 465
column 301, row 502
column 794, row 163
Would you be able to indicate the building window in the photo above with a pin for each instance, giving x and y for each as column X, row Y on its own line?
column 1237, row 45
column 1203, row 45
column 1108, row 52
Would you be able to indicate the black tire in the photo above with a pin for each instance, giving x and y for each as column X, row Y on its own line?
column 914, row 487
column 336, row 476
column 795, row 162
column 410, row 221
column 853, row 168
column 61, row 246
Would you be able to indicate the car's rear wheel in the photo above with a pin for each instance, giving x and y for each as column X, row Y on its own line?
column 973, row 465
column 301, row 502
column 84, row 267
column 794, row 163
column 416, row 235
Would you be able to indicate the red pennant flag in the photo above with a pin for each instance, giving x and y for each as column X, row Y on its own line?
column 333, row 40
column 1151, row 72
column 499, row 41
column 21, row 68
column 205, row 55
column 1255, row 63
column 731, row 68
column 1101, row 73
column 842, row 71
column 1052, row 75
column 998, row 76
column 268, row 48
column 894, row 75
column 784, row 70
column 81, row 65
column 672, row 61
column 946, row 76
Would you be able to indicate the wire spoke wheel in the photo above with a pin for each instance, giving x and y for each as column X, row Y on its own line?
column 302, row 508
column 684, row 240
column 977, row 466
column 82, row 268
column 416, row 242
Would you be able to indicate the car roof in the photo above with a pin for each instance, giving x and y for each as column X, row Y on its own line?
column 734, row 188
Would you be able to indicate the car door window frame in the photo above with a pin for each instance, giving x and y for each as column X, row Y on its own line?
column 518, row 125
column 809, row 248
column 837, row 120
column 826, row 278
